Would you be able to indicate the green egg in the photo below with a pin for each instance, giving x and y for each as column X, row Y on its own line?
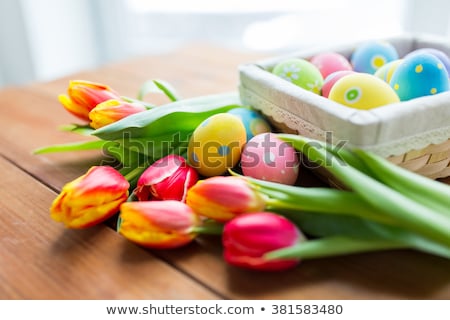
column 216, row 144
column 301, row 73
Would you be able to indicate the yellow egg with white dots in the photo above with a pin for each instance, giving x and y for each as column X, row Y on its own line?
column 362, row 91
column 216, row 144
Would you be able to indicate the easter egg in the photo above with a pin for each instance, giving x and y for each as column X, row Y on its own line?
column 301, row 73
column 254, row 122
column 331, row 80
column 266, row 157
column 329, row 62
column 435, row 52
column 362, row 91
column 419, row 75
column 216, row 144
column 385, row 72
column 368, row 57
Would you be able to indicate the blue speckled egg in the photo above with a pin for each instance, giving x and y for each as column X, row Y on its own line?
column 253, row 122
column 419, row 75
column 368, row 57
column 216, row 144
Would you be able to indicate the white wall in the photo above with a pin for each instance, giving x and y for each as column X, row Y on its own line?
column 45, row 39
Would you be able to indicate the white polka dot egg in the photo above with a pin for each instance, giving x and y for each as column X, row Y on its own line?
column 268, row 158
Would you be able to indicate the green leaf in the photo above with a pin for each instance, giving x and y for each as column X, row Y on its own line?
column 84, row 130
column 183, row 115
column 73, row 146
column 158, row 86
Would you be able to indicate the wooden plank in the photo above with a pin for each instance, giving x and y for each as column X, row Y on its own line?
column 40, row 259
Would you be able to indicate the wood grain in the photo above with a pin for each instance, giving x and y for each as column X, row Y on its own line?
column 50, row 260
column 40, row 259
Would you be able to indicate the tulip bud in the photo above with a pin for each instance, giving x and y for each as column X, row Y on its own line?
column 111, row 111
column 222, row 198
column 158, row 224
column 83, row 96
column 169, row 178
column 248, row 237
column 91, row 198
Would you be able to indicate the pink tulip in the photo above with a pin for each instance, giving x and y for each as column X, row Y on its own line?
column 222, row 198
column 158, row 224
column 169, row 178
column 111, row 111
column 248, row 237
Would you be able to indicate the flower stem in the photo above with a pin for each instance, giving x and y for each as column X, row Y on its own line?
column 333, row 246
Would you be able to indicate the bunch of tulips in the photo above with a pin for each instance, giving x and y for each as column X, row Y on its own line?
column 161, row 202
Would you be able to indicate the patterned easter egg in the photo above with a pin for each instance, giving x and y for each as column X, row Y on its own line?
column 216, row 144
column 441, row 55
column 368, row 57
column 254, row 122
column 329, row 62
column 301, row 73
column 385, row 72
column 362, row 91
column 331, row 80
column 268, row 158
column 419, row 75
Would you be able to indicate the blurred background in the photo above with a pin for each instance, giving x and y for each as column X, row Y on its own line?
column 41, row 40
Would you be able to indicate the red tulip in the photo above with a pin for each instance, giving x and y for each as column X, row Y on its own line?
column 169, row 178
column 83, row 96
column 91, row 198
column 158, row 224
column 222, row 198
column 248, row 237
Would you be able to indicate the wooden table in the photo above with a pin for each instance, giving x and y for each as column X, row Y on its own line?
column 40, row 259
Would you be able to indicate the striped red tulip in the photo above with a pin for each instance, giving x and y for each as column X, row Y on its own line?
column 169, row 178
column 91, row 198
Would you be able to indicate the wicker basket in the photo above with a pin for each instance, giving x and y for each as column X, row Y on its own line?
column 414, row 134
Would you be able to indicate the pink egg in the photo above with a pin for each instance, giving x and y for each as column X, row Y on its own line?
column 268, row 158
column 331, row 80
column 330, row 62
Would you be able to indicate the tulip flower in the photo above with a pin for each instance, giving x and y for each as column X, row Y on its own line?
column 248, row 237
column 158, row 224
column 83, row 96
column 222, row 198
column 91, row 198
column 111, row 111
column 168, row 178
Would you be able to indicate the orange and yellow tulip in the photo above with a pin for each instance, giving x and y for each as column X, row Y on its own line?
column 222, row 198
column 91, row 198
column 83, row 96
column 158, row 224
column 111, row 111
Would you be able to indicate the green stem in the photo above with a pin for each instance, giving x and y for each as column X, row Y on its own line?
column 136, row 172
column 209, row 228
column 411, row 214
column 325, row 200
column 332, row 246
column 431, row 193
